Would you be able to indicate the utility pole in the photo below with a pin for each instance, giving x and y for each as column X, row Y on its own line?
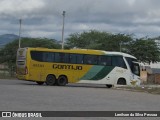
column 63, row 30
column 20, row 22
column 120, row 45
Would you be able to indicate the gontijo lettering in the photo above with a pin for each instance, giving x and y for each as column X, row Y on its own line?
column 70, row 67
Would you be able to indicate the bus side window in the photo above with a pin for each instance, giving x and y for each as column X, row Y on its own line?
column 104, row 60
column 58, row 57
column 79, row 59
column 90, row 59
column 118, row 61
column 66, row 58
column 37, row 55
column 73, row 58
column 62, row 57
column 48, row 57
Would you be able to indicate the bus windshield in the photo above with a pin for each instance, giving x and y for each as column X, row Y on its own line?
column 135, row 69
column 134, row 66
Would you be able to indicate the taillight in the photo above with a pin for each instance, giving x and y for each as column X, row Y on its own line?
column 26, row 70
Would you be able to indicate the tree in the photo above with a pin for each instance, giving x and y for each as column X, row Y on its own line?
column 99, row 40
column 87, row 40
column 117, row 42
column 146, row 50
column 8, row 53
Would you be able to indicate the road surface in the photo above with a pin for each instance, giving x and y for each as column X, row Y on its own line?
column 17, row 95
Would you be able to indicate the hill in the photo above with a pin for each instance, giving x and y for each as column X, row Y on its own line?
column 6, row 38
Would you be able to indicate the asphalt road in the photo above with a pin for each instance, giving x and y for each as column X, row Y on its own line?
column 16, row 95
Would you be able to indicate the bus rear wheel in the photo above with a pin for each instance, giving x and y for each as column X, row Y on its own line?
column 51, row 80
column 40, row 83
column 62, row 81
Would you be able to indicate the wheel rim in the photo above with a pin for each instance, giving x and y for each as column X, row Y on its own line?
column 50, row 80
column 62, row 81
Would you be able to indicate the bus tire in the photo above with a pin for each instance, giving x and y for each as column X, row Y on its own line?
column 62, row 81
column 109, row 86
column 40, row 83
column 50, row 80
column 121, row 81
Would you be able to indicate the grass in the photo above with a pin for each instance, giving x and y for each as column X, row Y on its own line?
column 153, row 89
column 6, row 76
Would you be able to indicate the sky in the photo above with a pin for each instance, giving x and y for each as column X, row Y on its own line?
column 43, row 18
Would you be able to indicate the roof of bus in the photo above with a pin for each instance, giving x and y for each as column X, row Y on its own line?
column 120, row 53
column 84, row 51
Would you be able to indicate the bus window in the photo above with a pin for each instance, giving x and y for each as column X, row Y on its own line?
column 58, row 57
column 104, row 60
column 90, row 59
column 79, row 59
column 136, row 69
column 62, row 57
column 66, row 58
column 133, row 65
column 37, row 55
column 73, row 58
column 118, row 61
column 48, row 57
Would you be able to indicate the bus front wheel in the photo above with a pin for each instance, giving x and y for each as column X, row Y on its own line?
column 62, row 81
column 121, row 81
column 50, row 80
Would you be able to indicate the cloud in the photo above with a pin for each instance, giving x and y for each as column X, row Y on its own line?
column 44, row 17
column 19, row 8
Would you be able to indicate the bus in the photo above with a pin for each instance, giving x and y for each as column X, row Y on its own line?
column 60, row 67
